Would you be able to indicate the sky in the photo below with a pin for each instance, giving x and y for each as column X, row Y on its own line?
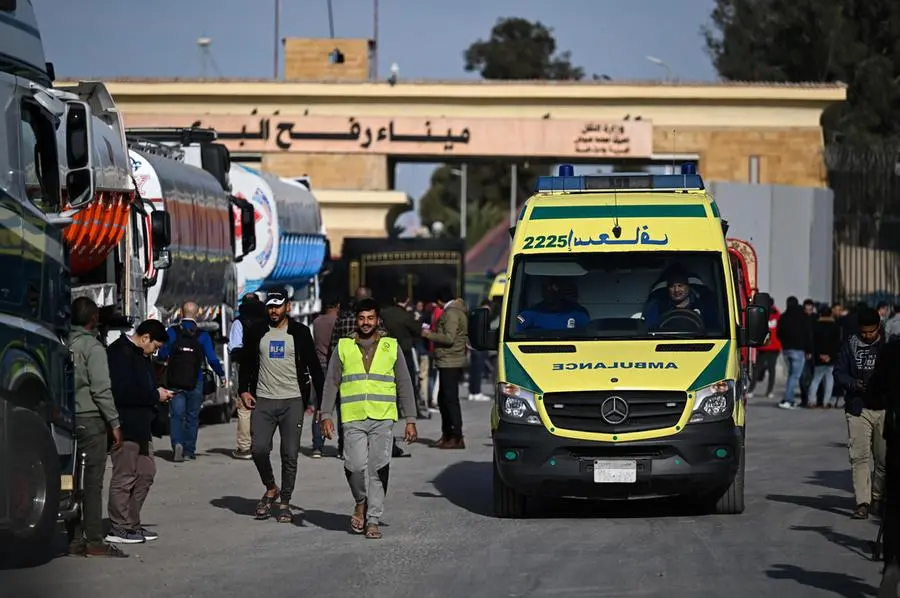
column 104, row 39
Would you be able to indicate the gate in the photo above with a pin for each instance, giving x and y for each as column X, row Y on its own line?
column 866, row 185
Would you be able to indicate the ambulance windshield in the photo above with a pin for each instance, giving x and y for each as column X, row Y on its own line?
column 618, row 295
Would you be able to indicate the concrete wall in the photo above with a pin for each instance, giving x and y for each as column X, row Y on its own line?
column 791, row 229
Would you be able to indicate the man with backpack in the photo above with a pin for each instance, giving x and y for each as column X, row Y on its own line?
column 186, row 353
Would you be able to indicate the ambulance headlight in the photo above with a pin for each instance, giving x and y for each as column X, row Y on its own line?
column 516, row 405
column 713, row 403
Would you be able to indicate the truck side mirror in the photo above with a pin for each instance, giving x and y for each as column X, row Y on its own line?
column 160, row 229
column 216, row 160
column 248, row 227
column 481, row 337
column 79, row 177
column 162, row 259
column 757, row 321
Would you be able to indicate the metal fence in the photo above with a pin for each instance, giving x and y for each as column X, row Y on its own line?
column 866, row 185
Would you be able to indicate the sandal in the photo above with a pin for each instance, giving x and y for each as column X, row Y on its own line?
column 358, row 522
column 372, row 532
column 264, row 506
column 284, row 514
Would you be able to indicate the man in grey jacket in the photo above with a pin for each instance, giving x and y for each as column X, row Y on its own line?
column 96, row 419
column 369, row 371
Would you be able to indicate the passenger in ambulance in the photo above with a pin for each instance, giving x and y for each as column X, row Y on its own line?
column 559, row 309
column 673, row 306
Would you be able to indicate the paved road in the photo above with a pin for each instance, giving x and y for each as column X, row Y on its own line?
column 795, row 538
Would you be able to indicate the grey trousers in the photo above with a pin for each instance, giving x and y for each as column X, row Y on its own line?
column 286, row 416
column 367, row 458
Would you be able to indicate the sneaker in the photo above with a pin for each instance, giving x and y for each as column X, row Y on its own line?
column 104, row 550
column 481, row 397
column 148, row 535
column 317, row 454
column 771, row 395
column 191, row 457
column 243, row 455
column 125, row 537
column 340, row 456
column 178, row 454
column 786, row 405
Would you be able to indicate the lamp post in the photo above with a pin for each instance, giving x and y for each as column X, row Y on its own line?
column 463, row 174
column 662, row 63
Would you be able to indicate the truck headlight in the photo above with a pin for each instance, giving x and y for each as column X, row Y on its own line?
column 713, row 403
column 517, row 405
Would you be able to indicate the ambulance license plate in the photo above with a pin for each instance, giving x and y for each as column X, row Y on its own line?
column 615, row 472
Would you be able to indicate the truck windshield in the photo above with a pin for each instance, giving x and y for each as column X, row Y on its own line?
column 618, row 295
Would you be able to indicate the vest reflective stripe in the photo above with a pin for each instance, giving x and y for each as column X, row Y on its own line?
column 371, row 395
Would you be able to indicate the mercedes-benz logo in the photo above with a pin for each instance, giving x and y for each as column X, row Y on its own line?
column 614, row 410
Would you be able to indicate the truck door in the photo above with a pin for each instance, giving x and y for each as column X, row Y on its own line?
column 11, row 288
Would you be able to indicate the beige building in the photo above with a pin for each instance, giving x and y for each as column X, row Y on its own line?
column 347, row 132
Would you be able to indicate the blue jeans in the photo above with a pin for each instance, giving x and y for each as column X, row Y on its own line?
column 318, row 439
column 184, row 413
column 795, row 361
column 822, row 373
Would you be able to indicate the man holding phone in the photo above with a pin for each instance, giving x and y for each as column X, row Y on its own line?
column 137, row 398
column 865, row 424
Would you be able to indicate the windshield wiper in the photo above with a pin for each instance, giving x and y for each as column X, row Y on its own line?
column 675, row 334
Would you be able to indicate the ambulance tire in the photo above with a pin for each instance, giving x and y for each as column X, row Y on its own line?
column 32, row 542
column 732, row 501
column 508, row 503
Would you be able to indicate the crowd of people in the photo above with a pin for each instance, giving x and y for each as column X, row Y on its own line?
column 834, row 355
column 360, row 367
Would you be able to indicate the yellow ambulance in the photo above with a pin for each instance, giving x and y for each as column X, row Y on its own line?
column 619, row 366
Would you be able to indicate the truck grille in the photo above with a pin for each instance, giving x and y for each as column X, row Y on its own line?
column 646, row 410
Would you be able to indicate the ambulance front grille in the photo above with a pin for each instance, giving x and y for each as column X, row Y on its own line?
column 647, row 410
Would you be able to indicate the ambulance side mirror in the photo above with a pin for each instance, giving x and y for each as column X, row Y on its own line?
column 757, row 322
column 481, row 337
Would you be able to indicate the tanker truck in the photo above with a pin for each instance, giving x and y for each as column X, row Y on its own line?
column 202, row 245
column 291, row 248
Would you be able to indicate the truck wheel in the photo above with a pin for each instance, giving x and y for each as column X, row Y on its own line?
column 508, row 504
column 732, row 501
column 34, row 491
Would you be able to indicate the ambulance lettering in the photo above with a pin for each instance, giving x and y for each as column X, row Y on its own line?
column 616, row 365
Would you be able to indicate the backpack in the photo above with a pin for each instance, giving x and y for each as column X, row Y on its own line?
column 186, row 358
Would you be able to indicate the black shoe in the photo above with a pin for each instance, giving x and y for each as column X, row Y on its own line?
column 397, row 452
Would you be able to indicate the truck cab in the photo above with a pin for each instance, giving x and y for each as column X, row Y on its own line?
column 619, row 366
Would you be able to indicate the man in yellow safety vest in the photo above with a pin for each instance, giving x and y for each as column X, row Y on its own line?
column 369, row 371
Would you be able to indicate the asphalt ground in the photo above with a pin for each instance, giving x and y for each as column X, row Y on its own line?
column 795, row 538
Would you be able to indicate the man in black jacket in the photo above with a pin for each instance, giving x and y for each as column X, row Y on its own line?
column 795, row 333
column 278, row 360
column 882, row 393
column 401, row 324
column 865, row 417
column 137, row 398
column 252, row 313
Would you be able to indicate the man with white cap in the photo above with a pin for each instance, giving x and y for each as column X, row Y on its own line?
column 278, row 360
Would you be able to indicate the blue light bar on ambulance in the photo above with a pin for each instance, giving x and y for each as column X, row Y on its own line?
column 688, row 179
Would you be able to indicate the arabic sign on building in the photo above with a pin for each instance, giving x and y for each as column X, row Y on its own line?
column 412, row 136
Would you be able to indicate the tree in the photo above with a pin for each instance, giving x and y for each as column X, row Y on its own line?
column 517, row 50
column 854, row 41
